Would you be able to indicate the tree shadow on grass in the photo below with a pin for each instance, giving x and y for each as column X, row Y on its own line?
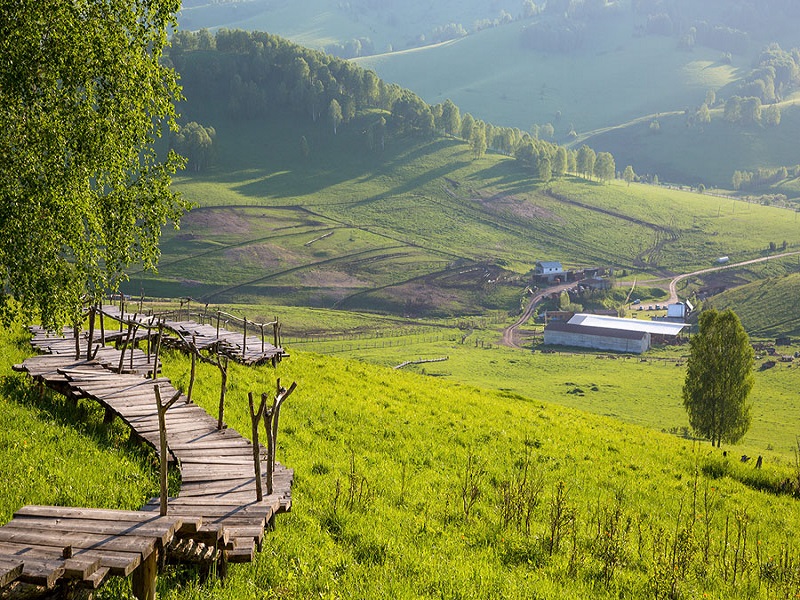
column 85, row 417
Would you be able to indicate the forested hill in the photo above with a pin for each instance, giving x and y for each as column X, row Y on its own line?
column 240, row 75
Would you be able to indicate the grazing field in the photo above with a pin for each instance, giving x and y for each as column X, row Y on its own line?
column 414, row 486
column 768, row 308
column 707, row 154
column 422, row 230
column 406, row 486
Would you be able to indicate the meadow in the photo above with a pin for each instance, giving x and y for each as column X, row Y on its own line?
column 462, row 237
column 412, row 486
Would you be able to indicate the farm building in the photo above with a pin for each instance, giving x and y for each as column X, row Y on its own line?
column 679, row 310
column 610, row 333
column 597, row 338
column 548, row 270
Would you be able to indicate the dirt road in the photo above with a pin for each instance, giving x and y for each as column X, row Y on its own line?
column 673, row 295
column 508, row 332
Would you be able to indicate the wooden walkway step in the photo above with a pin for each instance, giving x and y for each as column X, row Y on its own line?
column 216, row 506
column 85, row 545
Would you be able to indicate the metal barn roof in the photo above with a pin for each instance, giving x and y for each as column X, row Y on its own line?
column 652, row 327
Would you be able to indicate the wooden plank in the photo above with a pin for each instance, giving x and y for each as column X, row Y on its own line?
column 67, row 512
column 142, row 545
column 159, row 529
column 119, row 563
column 44, row 574
column 10, row 570
column 96, row 579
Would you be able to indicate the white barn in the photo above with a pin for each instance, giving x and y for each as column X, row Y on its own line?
column 609, row 333
column 548, row 269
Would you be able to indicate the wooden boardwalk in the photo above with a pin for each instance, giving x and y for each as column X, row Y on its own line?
column 246, row 349
column 215, row 515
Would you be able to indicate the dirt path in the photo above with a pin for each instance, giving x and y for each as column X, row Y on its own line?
column 508, row 332
column 673, row 294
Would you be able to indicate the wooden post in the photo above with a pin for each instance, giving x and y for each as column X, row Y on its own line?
column 143, row 580
column 102, row 326
column 223, row 371
column 193, row 351
column 269, row 413
column 271, row 425
column 133, row 342
column 255, row 419
column 121, row 310
column 275, row 329
column 244, row 339
column 125, row 345
column 91, row 333
column 218, row 317
column 162, row 435
column 262, row 338
column 158, row 348
column 76, row 336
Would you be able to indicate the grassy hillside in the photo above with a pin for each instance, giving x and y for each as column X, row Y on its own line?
column 417, row 487
column 317, row 23
column 707, row 154
column 422, row 228
column 53, row 452
column 616, row 77
column 768, row 308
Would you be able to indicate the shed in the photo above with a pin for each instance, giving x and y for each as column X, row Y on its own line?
column 597, row 338
column 548, row 269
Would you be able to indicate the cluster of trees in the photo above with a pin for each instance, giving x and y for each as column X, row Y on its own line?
column 354, row 48
column 548, row 160
column 749, row 111
column 559, row 37
column 718, row 37
column 250, row 73
column 745, row 180
column 195, row 143
column 776, row 75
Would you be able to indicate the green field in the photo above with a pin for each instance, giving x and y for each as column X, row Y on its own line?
column 707, row 154
column 768, row 308
column 608, row 82
column 422, row 230
column 398, row 446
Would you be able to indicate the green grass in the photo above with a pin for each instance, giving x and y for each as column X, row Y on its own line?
column 768, row 308
column 614, row 78
column 55, row 452
column 707, row 154
column 397, row 446
column 349, row 229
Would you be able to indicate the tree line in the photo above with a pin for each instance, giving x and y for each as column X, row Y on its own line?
column 249, row 74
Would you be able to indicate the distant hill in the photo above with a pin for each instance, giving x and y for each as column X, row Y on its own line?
column 574, row 65
column 767, row 308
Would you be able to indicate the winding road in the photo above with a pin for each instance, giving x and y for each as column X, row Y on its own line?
column 508, row 332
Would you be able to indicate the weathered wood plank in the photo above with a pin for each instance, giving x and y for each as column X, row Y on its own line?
column 10, row 570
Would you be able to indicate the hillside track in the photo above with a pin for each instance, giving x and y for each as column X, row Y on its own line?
column 673, row 294
column 645, row 259
column 509, row 338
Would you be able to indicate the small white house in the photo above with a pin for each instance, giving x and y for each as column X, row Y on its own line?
column 679, row 310
column 548, row 269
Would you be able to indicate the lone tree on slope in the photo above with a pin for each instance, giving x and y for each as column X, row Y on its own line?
column 83, row 193
column 719, row 378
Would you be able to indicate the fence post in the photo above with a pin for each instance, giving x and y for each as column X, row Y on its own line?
column 244, row 339
column 255, row 418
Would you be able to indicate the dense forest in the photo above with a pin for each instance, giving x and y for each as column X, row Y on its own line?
column 247, row 74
